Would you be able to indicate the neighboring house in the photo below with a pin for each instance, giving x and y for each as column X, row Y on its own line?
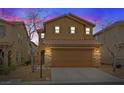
column 67, row 41
column 109, row 37
column 14, row 43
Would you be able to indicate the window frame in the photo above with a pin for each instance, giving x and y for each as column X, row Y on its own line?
column 57, row 29
column 72, row 31
column 87, row 30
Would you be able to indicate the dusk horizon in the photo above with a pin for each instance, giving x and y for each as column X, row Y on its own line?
column 61, row 46
column 99, row 16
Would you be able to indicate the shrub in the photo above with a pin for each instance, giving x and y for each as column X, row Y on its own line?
column 27, row 63
column 4, row 70
column 12, row 67
column 118, row 66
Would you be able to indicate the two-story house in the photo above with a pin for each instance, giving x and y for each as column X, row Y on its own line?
column 67, row 41
column 112, row 37
column 14, row 43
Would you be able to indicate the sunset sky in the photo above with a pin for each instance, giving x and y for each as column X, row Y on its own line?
column 99, row 16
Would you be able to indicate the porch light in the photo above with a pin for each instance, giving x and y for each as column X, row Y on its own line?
column 48, row 51
column 97, row 50
column 42, row 35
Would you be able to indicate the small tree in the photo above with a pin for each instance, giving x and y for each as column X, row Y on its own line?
column 117, row 46
column 35, row 21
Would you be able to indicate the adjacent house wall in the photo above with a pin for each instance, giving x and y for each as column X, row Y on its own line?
column 17, row 42
column 8, row 33
column 108, row 38
column 22, row 43
column 9, row 39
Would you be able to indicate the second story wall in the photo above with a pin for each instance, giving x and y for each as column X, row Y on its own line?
column 7, row 34
column 22, row 40
column 109, row 37
column 65, row 24
column 21, row 35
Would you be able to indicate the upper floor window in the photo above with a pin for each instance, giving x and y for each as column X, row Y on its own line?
column 87, row 30
column 72, row 30
column 42, row 35
column 57, row 29
column 2, row 31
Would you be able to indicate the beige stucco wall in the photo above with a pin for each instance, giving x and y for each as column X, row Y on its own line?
column 9, row 38
column 22, row 43
column 17, row 48
column 9, row 32
column 114, row 35
column 65, row 24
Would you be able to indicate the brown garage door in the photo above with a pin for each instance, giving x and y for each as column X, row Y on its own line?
column 71, row 57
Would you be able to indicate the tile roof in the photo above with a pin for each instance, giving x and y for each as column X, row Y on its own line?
column 73, row 17
column 69, row 42
column 118, row 23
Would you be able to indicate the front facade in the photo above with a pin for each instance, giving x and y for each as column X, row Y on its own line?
column 14, row 43
column 67, row 41
column 109, row 37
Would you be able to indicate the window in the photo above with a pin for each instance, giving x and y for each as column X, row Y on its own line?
column 42, row 35
column 72, row 30
column 2, row 31
column 87, row 30
column 57, row 29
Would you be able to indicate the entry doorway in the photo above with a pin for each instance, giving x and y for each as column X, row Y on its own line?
column 41, row 62
column 9, row 58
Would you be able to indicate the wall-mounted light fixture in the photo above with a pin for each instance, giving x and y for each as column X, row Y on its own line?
column 42, row 35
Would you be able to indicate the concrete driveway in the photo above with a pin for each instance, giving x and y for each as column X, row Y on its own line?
column 82, row 75
column 74, row 76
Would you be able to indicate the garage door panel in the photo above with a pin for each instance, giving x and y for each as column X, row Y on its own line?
column 71, row 57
